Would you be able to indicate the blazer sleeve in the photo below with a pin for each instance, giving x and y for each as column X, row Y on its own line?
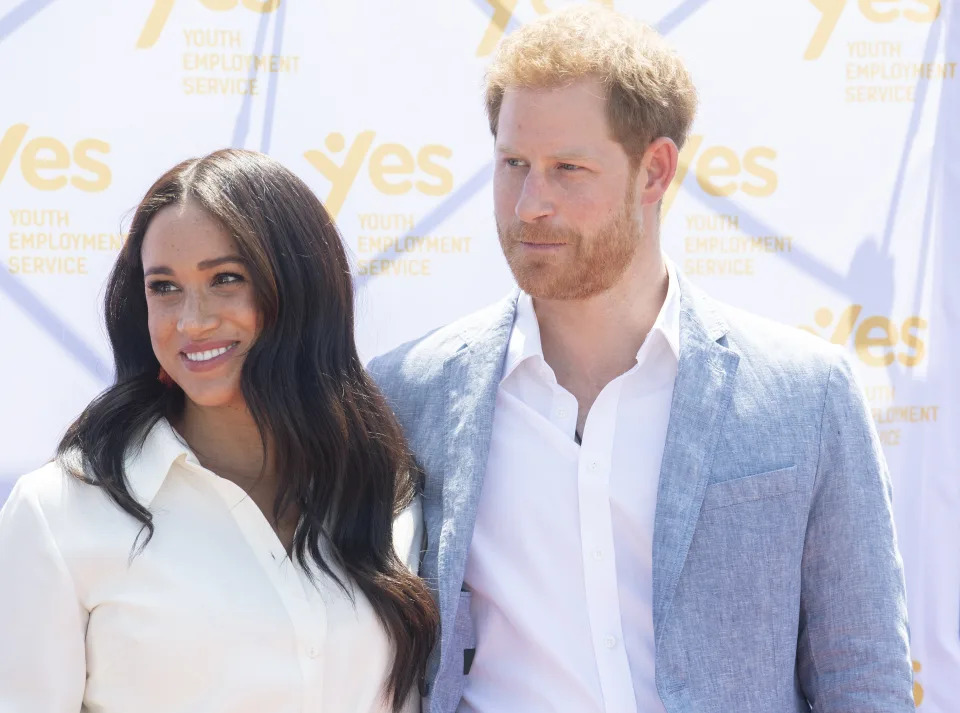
column 853, row 651
column 42, row 623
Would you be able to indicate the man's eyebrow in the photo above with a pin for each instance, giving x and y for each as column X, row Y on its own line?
column 575, row 154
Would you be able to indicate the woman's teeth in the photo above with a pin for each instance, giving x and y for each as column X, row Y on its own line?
column 207, row 355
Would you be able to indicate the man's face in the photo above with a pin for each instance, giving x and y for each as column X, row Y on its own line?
column 563, row 192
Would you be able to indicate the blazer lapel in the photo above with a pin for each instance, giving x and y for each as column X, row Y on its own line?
column 701, row 395
column 472, row 377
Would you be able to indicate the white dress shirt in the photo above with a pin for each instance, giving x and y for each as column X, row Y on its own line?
column 560, row 565
column 212, row 616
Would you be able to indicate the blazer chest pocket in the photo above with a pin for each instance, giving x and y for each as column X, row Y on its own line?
column 761, row 486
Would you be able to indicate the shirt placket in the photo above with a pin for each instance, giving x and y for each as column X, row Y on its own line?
column 598, row 554
column 563, row 408
column 307, row 613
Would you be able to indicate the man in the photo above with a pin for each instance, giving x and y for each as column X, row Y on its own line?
column 637, row 499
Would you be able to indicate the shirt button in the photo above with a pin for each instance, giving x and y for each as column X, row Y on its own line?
column 610, row 642
column 593, row 466
column 561, row 413
column 313, row 652
column 598, row 554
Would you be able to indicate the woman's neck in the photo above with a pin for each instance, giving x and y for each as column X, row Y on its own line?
column 226, row 441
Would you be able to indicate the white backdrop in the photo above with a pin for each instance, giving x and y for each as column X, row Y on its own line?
column 814, row 190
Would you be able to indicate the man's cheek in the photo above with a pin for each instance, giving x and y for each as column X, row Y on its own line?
column 502, row 194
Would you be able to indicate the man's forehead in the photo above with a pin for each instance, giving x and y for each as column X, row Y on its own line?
column 570, row 130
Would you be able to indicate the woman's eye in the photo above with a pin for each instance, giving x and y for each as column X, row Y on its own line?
column 227, row 278
column 161, row 287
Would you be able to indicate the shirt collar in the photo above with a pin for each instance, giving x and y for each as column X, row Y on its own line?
column 525, row 338
column 668, row 320
column 146, row 468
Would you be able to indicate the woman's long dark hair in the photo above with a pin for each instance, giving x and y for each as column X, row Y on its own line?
column 337, row 450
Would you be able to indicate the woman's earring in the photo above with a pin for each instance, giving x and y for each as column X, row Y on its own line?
column 164, row 378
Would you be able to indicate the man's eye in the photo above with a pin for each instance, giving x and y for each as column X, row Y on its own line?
column 161, row 287
column 514, row 162
column 568, row 167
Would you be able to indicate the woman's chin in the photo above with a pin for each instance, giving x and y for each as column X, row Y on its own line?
column 212, row 396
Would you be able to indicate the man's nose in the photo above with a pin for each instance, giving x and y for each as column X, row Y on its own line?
column 536, row 200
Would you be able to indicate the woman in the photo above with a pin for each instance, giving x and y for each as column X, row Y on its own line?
column 217, row 531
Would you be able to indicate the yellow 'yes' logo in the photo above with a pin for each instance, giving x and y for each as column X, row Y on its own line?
column 917, row 688
column 721, row 171
column 160, row 13
column 881, row 11
column 502, row 14
column 44, row 159
column 392, row 168
column 876, row 337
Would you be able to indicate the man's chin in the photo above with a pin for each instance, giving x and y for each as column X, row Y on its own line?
column 548, row 285
column 544, row 287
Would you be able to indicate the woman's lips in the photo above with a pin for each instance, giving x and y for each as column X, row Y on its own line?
column 204, row 357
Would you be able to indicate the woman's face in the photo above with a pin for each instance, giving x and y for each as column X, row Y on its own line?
column 200, row 303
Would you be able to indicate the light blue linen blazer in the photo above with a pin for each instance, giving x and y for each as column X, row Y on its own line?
column 777, row 581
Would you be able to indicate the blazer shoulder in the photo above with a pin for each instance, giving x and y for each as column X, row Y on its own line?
column 771, row 345
column 420, row 362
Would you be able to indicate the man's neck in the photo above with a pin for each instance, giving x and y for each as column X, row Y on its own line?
column 590, row 342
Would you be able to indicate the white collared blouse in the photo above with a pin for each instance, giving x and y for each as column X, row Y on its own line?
column 212, row 616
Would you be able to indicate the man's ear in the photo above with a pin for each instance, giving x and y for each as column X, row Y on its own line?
column 658, row 166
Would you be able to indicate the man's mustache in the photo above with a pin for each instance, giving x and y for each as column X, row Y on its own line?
column 539, row 234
